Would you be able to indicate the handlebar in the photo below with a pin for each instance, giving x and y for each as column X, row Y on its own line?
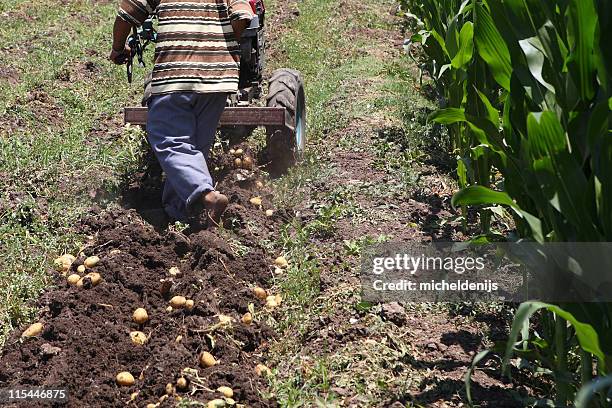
column 138, row 41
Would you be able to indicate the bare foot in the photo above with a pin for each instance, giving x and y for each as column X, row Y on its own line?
column 215, row 203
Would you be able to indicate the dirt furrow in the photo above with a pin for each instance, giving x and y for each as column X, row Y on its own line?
column 85, row 342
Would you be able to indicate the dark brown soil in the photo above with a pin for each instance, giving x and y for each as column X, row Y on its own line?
column 86, row 343
column 9, row 74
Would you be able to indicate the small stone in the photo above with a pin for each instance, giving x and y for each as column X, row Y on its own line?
column 48, row 350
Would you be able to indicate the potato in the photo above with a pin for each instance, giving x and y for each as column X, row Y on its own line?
column 232, row 151
column 271, row 302
column 269, row 213
column 81, row 269
column 259, row 184
column 226, row 391
column 247, row 318
column 73, row 279
column 239, row 152
column 91, row 261
column 178, row 302
column 70, row 257
column 151, row 405
column 32, row 331
column 95, row 277
column 169, row 309
column 261, row 370
column 207, row 359
column 281, row 262
column 138, row 337
column 178, row 339
column 216, row 403
column 140, row 316
column 181, row 383
column 247, row 163
column 260, row 293
column 238, row 163
column 62, row 264
column 169, row 389
column 256, row 201
column 90, row 280
column 124, row 378
column 189, row 303
column 278, row 299
column 174, row 271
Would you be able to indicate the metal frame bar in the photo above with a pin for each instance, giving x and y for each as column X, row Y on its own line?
column 232, row 116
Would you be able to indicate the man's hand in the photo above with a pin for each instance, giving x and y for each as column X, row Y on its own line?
column 239, row 26
column 120, row 57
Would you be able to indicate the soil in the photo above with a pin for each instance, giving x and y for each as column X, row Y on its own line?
column 85, row 342
column 9, row 74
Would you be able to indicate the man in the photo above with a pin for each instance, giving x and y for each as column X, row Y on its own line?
column 196, row 67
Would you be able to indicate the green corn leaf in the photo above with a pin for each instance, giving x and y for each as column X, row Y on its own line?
column 492, row 113
column 560, row 175
column 416, row 38
column 462, row 172
column 532, row 48
column 587, row 336
column 466, row 46
column 584, row 21
column 468, row 376
column 440, row 41
column 478, row 195
column 447, row 116
column 491, row 47
column 546, row 136
column 451, row 39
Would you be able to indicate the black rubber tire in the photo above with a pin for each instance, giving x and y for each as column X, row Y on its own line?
column 286, row 90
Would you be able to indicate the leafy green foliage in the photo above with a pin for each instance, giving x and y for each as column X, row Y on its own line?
column 533, row 102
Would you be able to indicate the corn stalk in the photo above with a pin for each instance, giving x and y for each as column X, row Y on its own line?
column 528, row 91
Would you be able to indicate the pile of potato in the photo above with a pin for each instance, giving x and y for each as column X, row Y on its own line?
column 241, row 161
column 64, row 263
column 85, row 277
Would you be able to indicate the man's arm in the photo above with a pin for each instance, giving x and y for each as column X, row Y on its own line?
column 131, row 13
column 239, row 26
column 241, row 14
column 120, row 50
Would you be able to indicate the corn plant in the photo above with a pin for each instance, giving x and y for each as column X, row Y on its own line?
column 545, row 124
column 461, row 79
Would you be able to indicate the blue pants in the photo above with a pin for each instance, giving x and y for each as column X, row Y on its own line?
column 181, row 130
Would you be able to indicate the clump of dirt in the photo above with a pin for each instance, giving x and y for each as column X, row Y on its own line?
column 85, row 342
column 84, row 70
column 9, row 74
column 44, row 107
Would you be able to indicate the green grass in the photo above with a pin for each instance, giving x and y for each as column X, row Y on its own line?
column 50, row 161
column 343, row 81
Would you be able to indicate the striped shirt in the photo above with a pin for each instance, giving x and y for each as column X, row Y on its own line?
column 196, row 50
